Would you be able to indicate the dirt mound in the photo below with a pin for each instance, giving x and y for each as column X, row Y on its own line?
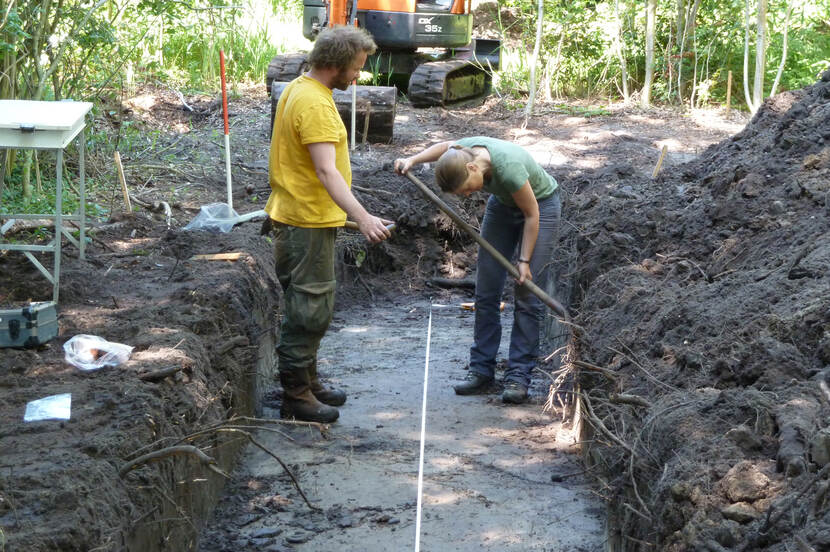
column 198, row 329
column 705, row 296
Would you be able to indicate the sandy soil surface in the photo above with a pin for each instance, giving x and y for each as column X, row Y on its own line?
column 646, row 266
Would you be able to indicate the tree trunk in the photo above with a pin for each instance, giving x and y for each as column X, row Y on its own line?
column 760, row 54
column 556, row 91
column 747, row 97
column 783, row 53
column 679, row 40
column 623, row 68
column 690, row 18
column 651, row 13
column 539, row 15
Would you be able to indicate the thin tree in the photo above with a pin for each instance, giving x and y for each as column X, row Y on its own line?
column 651, row 16
column 760, row 53
column 756, row 96
column 619, row 49
column 536, row 47
column 689, row 22
column 783, row 52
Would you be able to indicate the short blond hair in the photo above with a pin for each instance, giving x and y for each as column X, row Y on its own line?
column 451, row 169
column 336, row 47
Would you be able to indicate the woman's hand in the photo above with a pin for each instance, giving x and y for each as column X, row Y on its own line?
column 524, row 272
column 403, row 164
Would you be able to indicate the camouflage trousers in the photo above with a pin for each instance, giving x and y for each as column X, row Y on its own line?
column 305, row 268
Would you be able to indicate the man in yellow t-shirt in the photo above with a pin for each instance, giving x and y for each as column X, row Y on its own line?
column 310, row 175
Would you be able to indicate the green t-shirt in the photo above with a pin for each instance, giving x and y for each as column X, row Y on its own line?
column 512, row 166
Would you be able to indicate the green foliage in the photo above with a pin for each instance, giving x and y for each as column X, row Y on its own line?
column 578, row 49
column 13, row 202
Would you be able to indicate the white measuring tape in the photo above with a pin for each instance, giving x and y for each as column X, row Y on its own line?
column 423, row 437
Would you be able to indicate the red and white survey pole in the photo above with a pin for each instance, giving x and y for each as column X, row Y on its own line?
column 227, row 130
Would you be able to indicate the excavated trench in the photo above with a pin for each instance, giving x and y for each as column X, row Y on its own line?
column 80, row 484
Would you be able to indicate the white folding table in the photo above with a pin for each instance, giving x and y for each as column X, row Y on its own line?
column 47, row 126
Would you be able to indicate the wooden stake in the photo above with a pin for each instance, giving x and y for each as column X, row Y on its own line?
column 660, row 162
column 123, row 181
column 366, row 123
column 728, row 92
column 217, row 257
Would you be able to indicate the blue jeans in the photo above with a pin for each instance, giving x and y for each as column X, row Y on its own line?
column 502, row 227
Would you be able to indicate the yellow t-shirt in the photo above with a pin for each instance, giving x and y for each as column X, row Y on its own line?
column 306, row 114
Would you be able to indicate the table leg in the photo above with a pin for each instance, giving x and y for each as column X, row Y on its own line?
column 58, row 223
column 82, row 211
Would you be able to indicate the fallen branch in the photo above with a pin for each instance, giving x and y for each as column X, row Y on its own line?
column 90, row 236
column 594, row 368
column 275, row 457
column 453, row 282
column 641, row 367
column 159, row 375
column 161, row 454
column 238, row 341
column 597, row 423
column 622, row 398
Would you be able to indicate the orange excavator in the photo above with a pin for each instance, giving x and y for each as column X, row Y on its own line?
column 430, row 41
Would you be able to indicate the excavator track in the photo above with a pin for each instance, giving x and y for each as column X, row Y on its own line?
column 444, row 82
column 285, row 68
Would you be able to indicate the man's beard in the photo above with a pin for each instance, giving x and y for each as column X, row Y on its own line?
column 340, row 81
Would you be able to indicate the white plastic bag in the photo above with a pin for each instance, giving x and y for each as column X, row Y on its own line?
column 214, row 217
column 90, row 352
column 54, row 407
column 219, row 217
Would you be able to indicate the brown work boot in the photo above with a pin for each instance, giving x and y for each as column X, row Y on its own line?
column 301, row 404
column 326, row 395
column 475, row 384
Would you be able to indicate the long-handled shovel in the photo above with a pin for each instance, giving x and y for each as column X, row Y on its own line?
column 220, row 216
column 533, row 288
column 227, row 130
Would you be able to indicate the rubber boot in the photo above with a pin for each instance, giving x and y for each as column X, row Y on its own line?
column 299, row 403
column 326, row 395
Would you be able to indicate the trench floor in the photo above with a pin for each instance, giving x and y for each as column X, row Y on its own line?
column 496, row 477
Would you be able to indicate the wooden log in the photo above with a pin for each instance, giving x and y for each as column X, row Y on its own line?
column 217, row 257
column 375, row 113
column 159, row 375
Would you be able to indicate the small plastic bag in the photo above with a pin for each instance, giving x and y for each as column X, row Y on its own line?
column 90, row 352
column 219, row 217
column 216, row 217
column 54, row 407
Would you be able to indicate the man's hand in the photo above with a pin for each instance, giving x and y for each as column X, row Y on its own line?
column 403, row 164
column 524, row 273
column 374, row 228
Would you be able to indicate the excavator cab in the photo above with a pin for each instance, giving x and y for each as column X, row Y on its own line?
column 425, row 44
column 399, row 24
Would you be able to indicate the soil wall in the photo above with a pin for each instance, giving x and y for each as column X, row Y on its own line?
column 705, row 299
column 65, row 485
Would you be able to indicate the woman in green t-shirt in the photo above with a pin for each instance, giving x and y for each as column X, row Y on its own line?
column 522, row 217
